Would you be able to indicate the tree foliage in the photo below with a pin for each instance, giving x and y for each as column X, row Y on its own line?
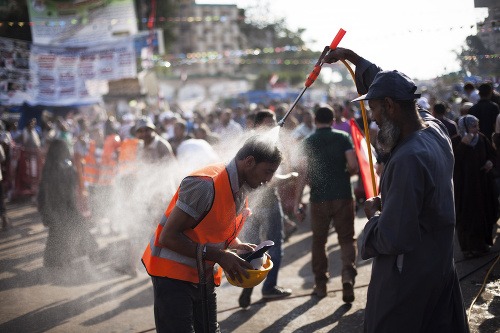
column 289, row 59
column 476, row 60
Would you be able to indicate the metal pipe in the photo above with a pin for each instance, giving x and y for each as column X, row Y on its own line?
column 282, row 121
column 200, row 263
column 315, row 72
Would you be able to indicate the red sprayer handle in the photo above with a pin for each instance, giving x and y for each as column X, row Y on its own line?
column 315, row 72
column 313, row 76
column 337, row 39
column 317, row 68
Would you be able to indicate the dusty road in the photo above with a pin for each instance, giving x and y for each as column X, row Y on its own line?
column 99, row 297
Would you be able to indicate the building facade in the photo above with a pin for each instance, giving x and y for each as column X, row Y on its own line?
column 208, row 36
column 489, row 30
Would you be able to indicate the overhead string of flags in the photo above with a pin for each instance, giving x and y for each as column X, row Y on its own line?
column 481, row 27
column 250, row 56
column 482, row 56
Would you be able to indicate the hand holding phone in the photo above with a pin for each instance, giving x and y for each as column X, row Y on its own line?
column 258, row 252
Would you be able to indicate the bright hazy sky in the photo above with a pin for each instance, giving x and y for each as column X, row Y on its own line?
column 417, row 38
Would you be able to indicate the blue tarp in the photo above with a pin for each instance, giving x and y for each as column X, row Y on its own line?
column 265, row 97
column 28, row 112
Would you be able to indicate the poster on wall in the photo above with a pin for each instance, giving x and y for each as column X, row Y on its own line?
column 61, row 75
column 80, row 22
column 15, row 80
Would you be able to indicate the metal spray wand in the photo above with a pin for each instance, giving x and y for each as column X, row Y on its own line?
column 315, row 72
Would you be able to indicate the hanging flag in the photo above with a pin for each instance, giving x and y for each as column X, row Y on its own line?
column 364, row 163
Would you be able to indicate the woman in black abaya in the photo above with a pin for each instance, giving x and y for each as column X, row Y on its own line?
column 475, row 198
column 68, row 236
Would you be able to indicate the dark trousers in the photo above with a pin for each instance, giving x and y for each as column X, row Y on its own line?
column 178, row 306
column 3, row 208
column 267, row 224
column 342, row 214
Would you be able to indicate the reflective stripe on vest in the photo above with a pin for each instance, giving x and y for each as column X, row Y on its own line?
column 108, row 167
column 90, row 169
column 165, row 253
column 218, row 228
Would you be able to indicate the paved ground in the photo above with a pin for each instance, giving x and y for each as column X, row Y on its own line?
column 88, row 297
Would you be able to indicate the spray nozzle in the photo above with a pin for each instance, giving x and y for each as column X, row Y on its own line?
column 315, row 72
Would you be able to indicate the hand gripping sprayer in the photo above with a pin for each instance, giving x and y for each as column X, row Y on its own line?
column 315, row 72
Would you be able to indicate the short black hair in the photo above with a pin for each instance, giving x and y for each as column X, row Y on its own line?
column 262, row 148
column 263, row 114
column 469, row 86
column 440, row 108
column 181, row 122
column 324, row 115
column 485, row 89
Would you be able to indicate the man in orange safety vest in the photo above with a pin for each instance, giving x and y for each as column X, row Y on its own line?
column 205, row 214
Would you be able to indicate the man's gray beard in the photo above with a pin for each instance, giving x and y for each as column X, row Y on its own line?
column 388, row 135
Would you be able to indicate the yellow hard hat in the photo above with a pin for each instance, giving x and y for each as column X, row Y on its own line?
column 256, row 275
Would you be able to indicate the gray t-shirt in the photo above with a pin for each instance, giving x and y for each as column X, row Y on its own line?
column 196, row 194
column 158, row 150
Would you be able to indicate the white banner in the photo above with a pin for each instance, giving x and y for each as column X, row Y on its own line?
column 75, row 23
column 59, row 74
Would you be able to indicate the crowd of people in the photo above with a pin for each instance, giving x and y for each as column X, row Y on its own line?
column 89, row 171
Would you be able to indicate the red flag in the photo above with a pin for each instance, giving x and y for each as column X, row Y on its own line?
column 364, row 163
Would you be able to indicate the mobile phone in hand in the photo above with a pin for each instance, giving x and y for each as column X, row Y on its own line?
column 258, row 252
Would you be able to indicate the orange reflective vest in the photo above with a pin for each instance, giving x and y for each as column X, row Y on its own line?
column 217, row 229
column 103, row 173
column 90, row 167
column 79, row 164
column 128, row 155
column 109, row 160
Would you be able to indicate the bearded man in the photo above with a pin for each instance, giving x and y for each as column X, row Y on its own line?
column 409, row 234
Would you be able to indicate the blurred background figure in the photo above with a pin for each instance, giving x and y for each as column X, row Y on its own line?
column 167, row 120
column 69, row 236
column 3, row 208
column 28, row 161
column 30, row 139
column 127, row 126
column 476, row 204
column 155, row 147
column 424, row 103
column 239, row 116
column 147, row 178
column 227, row 126
column 439, row 111
column 8, row 146
column 203, row 132
column 485, row 110
column 339, row 122
column 180, row 134
column 465, row 107
column 62, row 131
column 470, row 93
column 99, row 172
column 306, row 127
column 266, row 222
